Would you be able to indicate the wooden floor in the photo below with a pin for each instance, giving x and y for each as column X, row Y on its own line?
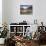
column 35, row 43
column 32, row 45
column 42, row 45
column 2, row 45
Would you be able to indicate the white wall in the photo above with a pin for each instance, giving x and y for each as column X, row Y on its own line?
column 0, row 13
column 40, row 10
column 12, row 11
column 15, row 13
column 4, row 11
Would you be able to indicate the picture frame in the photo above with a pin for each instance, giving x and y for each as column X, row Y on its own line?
column 25, row 9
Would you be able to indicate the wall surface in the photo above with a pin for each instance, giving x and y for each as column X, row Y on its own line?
column 4, row 11
column 0, row 13
column 12, row 11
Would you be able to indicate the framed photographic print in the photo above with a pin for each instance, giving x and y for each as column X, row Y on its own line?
column 25, row 9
